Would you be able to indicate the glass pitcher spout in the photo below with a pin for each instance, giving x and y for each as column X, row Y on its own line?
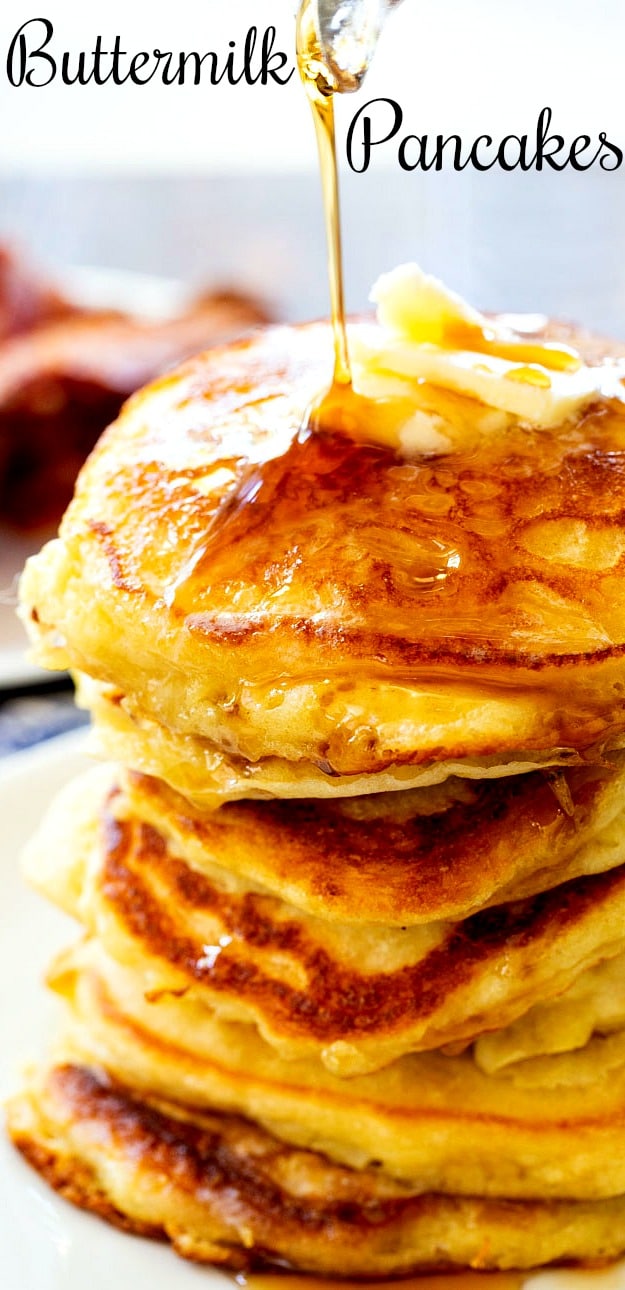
column 348, row 33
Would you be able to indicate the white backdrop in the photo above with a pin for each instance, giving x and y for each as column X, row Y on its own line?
column 466, row 66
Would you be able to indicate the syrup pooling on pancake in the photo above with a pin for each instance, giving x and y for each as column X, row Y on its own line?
column 511, row 528
column 418, row 319
column 366, row 612
column 400, row 983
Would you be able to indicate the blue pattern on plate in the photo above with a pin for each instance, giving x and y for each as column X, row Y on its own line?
column 29, row 719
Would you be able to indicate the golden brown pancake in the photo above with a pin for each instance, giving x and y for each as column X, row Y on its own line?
column 407, row 857
column 355, row 995
column 435, row 1122
column 593, row 1005
column 434, row 646
column 206, row 777
column 269, row 611
column 226, row 1192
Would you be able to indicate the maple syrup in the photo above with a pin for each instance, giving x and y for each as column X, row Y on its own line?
column 338, row 485
column 586, row 1277
column 342, row 408
column 320, row 88
column 440, row 1281
column 549, row 355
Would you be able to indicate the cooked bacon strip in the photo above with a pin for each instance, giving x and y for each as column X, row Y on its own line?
column 62, row 383
column 26, row 299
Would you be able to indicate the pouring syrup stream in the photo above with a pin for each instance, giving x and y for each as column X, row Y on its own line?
column 323, row 74
column 320, row 89
column 339, row 408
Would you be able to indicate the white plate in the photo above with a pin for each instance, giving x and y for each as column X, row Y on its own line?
column 138, row 293
column 45, row 1243
column 15, row 667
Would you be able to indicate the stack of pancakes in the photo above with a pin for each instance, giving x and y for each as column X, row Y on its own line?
column 350, row 996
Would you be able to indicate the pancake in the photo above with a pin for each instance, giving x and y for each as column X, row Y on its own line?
column 400, row 859
column 348, row 992
column 593, row 1005
column 354, row 995
column 207, row 777
column 224, row 1191
column 408, row 857
column 299, row 614
column 434, row 1122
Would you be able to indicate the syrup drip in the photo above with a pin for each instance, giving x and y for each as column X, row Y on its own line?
column 532, row 356
column 528, row 374
column 296, row 500
column 340, row 408
column 440, row 1281
column 587, row 1277
column 323, row 491
column 320, row 92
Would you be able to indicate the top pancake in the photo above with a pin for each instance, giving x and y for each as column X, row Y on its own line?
column 323, row 617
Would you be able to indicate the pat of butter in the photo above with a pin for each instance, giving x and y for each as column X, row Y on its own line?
column 414, row 306
column 427, row 333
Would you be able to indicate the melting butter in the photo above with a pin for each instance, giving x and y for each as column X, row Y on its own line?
column 426, row 333
column 415, row 306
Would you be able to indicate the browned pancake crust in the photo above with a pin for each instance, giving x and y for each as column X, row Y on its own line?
column 393, row 862
column 322, row 487
column 435, row 1122
column 281, row 570
column 526, row 950
column 237, row 1197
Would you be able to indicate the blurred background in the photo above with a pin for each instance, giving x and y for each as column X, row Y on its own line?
column 219, row 183
column 129, row 215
